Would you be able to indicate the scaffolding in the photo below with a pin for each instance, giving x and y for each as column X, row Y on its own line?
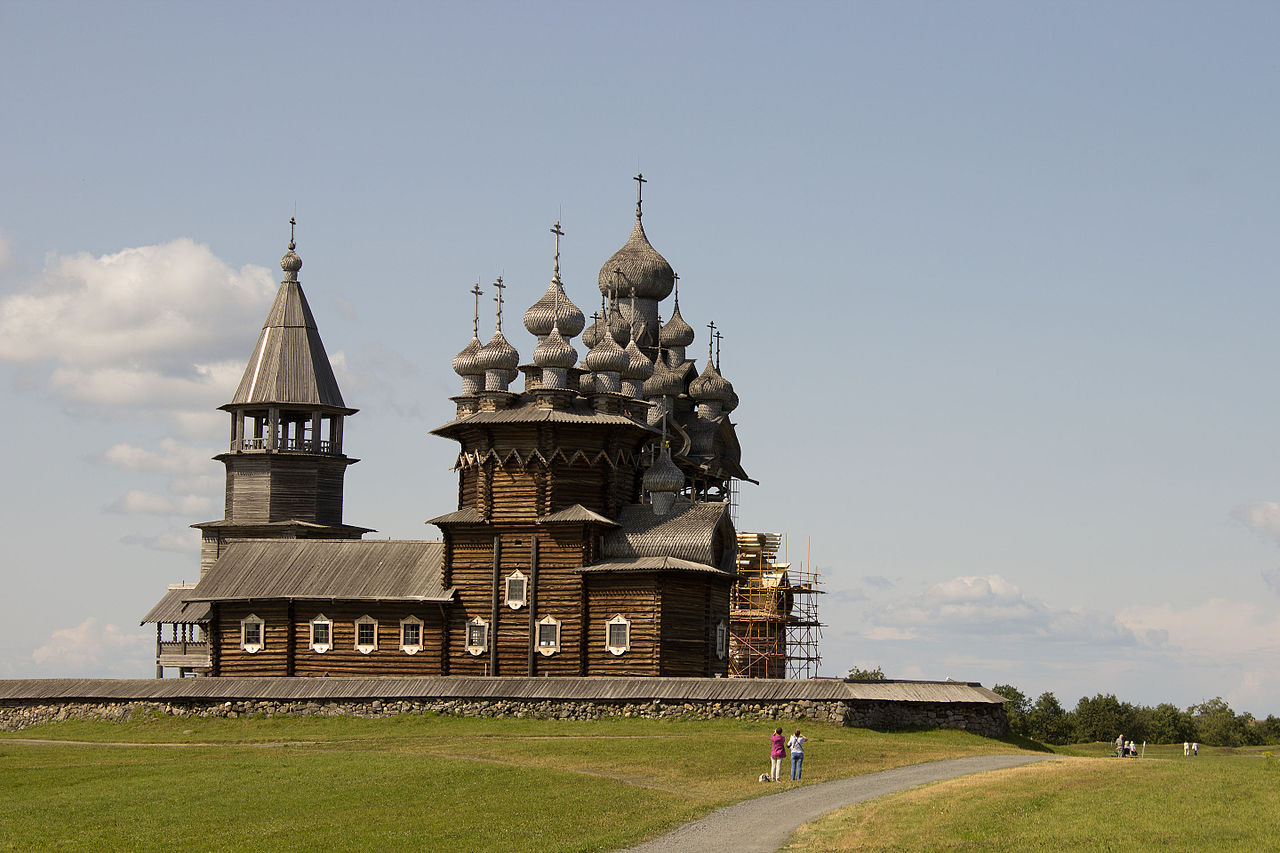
column 774, row 630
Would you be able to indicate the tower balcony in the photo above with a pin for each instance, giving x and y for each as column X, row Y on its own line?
column 261, row 444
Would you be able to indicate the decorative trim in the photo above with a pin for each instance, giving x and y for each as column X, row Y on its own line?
column 322, row 643
column 252, row 626
column 517, row 590
column 477, row 636
column 611, row 634
column 548, row 641
column 365, row 621
column 410, row 622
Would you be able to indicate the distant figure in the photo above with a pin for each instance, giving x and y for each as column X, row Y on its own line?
column 1195, row 749
column 797, row 754
column 1133, row 753
column 1120, row 746
column 1186, row 748
column 776, row 743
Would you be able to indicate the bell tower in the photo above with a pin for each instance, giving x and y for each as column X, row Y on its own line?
column 285, row 464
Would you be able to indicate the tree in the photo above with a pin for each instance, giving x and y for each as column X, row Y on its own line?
column 1166, row 724
column 1216, row 724
column 1047, row 722
column 856, row 674
column 1016, row 708
column 1102, row 718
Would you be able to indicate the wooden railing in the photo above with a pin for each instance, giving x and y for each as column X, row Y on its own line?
column 296, row 444
column 184, row 647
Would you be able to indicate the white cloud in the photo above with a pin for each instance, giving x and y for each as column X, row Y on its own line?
column 169, row 456
column 1262, row 517
column 1214, row 630
column 92, row 647
column 157, row 327
column 989, row 607
column 171, row 541
column 138, row 501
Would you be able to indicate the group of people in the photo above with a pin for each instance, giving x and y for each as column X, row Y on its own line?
column 778, row 746
column 1190, row 748
column 1125, row 748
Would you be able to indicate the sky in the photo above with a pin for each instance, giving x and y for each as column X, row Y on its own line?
column 997, row 285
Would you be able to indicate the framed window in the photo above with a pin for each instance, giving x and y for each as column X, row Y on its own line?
column 517, row 590
column 411, row 635
column 366, row 634
column 321, row 634
column 252, row 634
column 548, row 635
column 617, row 634
column 477, row 636
column 722, row 640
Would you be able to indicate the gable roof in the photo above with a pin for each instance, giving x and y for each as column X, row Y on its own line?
column 650, row 564
column 687, row 532
column 576, row 513
column 370, row 570
column 289, row 364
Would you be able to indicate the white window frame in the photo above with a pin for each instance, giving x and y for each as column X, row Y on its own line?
column 321, row 648
column 515, row 603
column 608, row 632
column 477, row 648
column 253, row 648
column 365, row 648
column 551, row 649
column 410, row 648
column 722, row 640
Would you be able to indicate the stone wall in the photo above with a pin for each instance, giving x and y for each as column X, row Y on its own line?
column 983, row 719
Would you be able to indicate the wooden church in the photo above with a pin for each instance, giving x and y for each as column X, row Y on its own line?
column 593, row 532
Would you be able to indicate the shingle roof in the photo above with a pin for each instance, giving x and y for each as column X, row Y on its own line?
column 283, row 525
column 578, row 513
column 650, row 564
column 467, row 515
column 169, row 609
column 686, row 532
column 289, row 364
column 597, row 688
column 530, row 413
column 378, row 570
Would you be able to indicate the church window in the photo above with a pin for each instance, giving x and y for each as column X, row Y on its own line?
column 722, row 640
column 517, row 590
column 366, row 634
column 251, row 634
column 618, row 634
column 411, row 635
column 548, row 635
column 477, row 636
column 321, row 634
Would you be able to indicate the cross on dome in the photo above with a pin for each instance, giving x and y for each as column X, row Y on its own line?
column 640, row 182
column 499, row 300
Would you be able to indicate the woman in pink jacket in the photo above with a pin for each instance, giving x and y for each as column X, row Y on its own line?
column 777, row 746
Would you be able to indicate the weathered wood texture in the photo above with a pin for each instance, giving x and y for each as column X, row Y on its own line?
column 289, row 652
column 264, row 487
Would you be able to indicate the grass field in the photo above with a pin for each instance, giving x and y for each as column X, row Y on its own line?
column 429, row 782
column 1224, row 800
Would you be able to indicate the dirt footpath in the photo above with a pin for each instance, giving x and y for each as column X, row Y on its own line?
column 764, row 824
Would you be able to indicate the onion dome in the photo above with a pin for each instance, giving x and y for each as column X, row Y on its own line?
column 731, row 402
column 663, row 475
column 710, row 386
column 638, row 364
column 676, row 332
column 464, row 363
column 291, row 263
column 619, row 328
column 664, row 382
column 542, row 315
column 637, row 264
column 555, row 351
column 594, row 332
column 497, row 355
column 606, row 356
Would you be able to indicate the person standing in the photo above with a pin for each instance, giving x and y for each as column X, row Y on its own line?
column 1120, row 746
column 1186, row 748
column 797, row 754
column 1195, row 749
column 776, row 743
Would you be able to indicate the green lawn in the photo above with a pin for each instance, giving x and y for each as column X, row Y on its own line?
column 1224, row 800
column 429, row 782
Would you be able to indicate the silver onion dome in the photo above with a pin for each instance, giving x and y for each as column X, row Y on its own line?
column 709, row 386
column 637, row 264
column 543, row 314
column 464, row 363
column 606, row 356
column 497, row 354
column 638, row 364
column 664, row 382
column 676, row 332
column 555, row 351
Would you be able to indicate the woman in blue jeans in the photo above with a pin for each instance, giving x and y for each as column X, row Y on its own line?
column 797, row 754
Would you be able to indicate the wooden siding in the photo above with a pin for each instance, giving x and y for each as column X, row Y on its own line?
column 264, row 487
column 691, row 608
column 636, row 597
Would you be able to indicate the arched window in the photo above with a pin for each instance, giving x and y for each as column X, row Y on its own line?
column 722, row 640
column 321, row 634
column 617, row 634
column 252, row 634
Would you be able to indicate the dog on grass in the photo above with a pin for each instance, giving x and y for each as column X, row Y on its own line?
column 764, row 777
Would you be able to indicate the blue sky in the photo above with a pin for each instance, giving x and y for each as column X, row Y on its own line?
column 997, row 282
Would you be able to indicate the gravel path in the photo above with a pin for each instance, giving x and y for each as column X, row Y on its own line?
column 764, row 824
